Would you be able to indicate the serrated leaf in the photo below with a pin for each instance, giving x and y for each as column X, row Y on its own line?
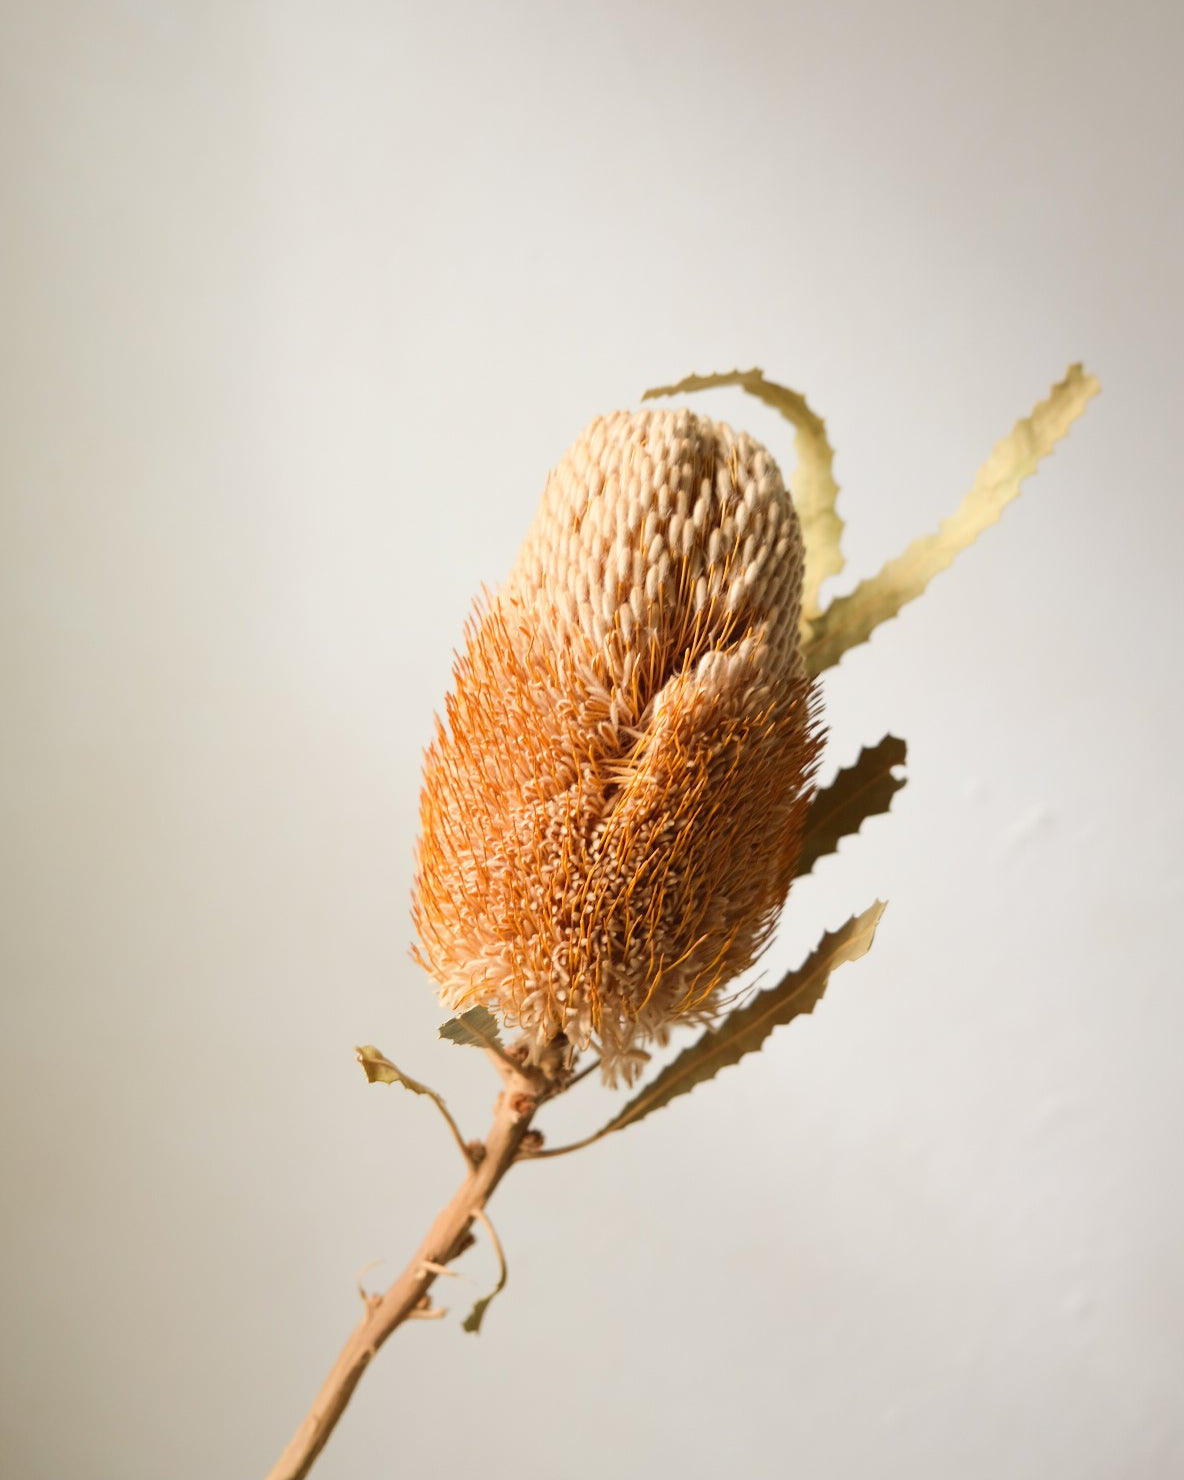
column 850, row 620
column 477, row 1027
column 812, row 482
column 860, row 791
column 744, row 1030
column 378, row 1069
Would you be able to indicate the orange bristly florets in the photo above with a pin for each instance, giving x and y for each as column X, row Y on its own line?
column 612, row 813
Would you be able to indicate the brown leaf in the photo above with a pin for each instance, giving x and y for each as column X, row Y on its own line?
column 850, row 620
column 861, row 791
column 812, row 483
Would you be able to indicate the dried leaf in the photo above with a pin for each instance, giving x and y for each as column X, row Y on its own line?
column 378, row 1069
column 478, row 1027
column 746, row 1029
column 861, row 791
column 812, row 483
column 472, row 1322
column 850, row 620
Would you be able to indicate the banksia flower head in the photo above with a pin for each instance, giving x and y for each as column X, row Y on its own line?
column 612, row 813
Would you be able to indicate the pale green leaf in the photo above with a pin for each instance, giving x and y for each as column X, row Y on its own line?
column 477, row 1027
column 812, row 482
column 862, row 790
column 850, row 620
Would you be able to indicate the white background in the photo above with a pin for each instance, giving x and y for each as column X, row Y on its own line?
column 300, row 304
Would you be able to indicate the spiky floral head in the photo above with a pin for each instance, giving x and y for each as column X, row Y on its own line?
column 612, row 814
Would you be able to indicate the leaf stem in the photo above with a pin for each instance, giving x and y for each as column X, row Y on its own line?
column 571, row 1146
column 583, row 1073
column 454, row 1128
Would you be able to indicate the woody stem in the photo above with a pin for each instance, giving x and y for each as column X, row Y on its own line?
column 446, row 1238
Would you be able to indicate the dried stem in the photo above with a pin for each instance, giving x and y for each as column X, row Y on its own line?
column 465, row 1150
column 407, row 1297
column 583, row 1073
column 572, row 1145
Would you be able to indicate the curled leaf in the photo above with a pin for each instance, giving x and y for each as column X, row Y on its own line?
column 812, row 483
column 378, row 1069
column 860, row 791
column 850, row 620
column 472, row 1322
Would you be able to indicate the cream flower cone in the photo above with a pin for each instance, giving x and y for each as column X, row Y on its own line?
column 612, row 808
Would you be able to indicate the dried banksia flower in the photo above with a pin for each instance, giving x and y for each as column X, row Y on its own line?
column 612, row 814
column 615, row 805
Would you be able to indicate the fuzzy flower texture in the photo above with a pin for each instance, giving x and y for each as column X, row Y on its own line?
column 612, row 812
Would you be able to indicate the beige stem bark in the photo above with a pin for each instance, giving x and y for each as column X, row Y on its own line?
column 447, row 1237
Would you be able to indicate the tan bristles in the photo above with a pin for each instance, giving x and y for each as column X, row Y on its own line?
column 612, row 813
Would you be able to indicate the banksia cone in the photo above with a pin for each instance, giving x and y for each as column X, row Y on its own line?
column 612, row 814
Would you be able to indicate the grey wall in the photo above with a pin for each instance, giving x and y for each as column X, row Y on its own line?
column 300, row 303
